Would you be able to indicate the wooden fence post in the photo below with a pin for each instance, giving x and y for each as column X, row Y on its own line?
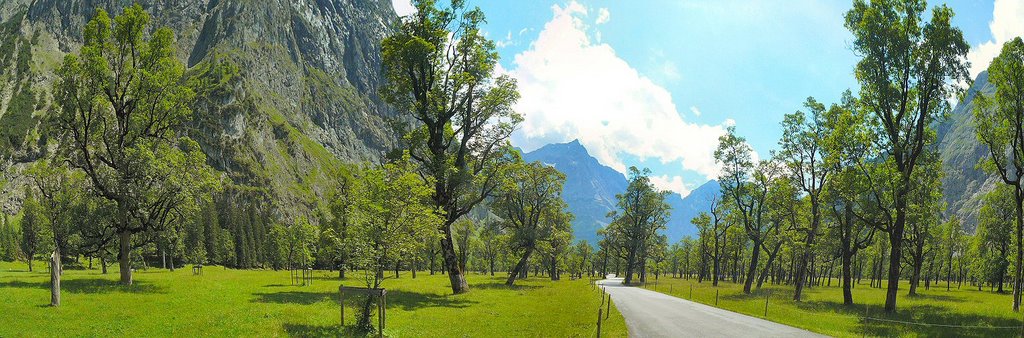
column 599, row 322
column 716, row 297
column 608, row 311
column 766, row 304
column 380, row 320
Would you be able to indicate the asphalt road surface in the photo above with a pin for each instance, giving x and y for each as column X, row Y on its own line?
column 653, row 314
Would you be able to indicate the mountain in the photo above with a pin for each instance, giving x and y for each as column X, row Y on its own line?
column 963, row 184
column 590, row 190
column 303, row 100
column 686, row 208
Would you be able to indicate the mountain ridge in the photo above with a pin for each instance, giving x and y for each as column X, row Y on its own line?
column 590, row 190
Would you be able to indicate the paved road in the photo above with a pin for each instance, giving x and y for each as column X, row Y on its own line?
column 653, row 314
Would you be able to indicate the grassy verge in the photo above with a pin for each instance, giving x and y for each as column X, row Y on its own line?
column 822, row 309
column 226, row 302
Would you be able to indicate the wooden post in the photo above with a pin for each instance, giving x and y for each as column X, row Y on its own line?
column 380, row 320
column 866, row 318
column 599, row 322
column 608, row 311
column 341, row 299
column 716, row 297
column 766, row 305
column 691, row 291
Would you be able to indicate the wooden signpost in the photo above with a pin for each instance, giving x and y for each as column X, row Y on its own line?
column 382, row 302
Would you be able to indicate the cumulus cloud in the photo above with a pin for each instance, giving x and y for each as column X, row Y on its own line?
column 673, row 184
column 603, row 15
column 574, row 87
column 1007, row 23
column 403, row 7
column 695, row 111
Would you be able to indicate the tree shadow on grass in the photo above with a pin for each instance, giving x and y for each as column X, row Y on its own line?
column 294, row 297
column 89, row 285
column 754, row 294
column 411, row 301
column 502, row 286
column 304, row 330
column 937, row 297
column 928, row 321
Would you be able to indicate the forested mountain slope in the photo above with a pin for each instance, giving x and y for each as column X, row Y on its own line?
column 295, row 94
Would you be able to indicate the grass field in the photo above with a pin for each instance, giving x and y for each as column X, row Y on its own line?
column 822, row 308
column 226, row 302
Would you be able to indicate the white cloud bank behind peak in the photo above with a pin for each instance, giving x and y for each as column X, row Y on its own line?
column 1007, row 23
column 403, row 7
column 574, row 87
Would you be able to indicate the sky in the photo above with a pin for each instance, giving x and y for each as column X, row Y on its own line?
column 653, row 83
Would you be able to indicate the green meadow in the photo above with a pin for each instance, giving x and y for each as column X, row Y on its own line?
column 226, row 302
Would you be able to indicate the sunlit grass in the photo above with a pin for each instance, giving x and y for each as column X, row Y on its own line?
column 225, row 302
column 822, row 309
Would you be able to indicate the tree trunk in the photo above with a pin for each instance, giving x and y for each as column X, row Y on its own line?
column 847, row 278
column 1018, row 274
column 799, row 276
column 754, row 255
column 554, row 269
column 124, row 258
column 103, row 263
column 895, row 250
column 520, row 267
column 55, row 272
column 767, row 268
column 715, row 271
column 630, row 262
column 915, row 277
column 451, row 262
column 801, row 269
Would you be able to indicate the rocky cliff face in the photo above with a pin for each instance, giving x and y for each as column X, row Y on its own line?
column 963, row 184
column 303, row 100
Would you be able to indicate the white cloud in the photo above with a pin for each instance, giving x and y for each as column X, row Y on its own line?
column 506, row 42
column 674, row 184
column 662, row 69
column 695, row 111
column 670, row 71
column 403, row 7
column 1007, row 23
column 575, row 88
column 603, row 15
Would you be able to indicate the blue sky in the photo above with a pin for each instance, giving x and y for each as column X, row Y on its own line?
column 653, row 83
